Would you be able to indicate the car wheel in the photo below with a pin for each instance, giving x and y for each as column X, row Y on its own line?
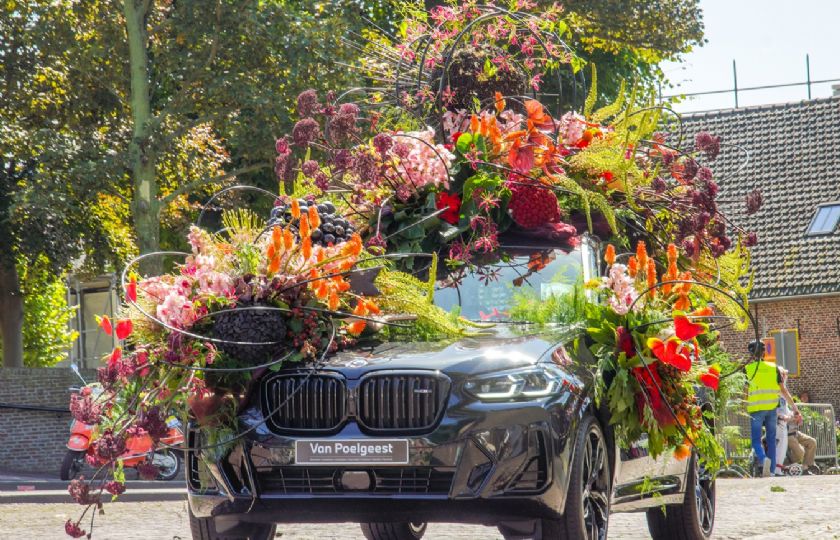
column 393, row 531
column 72, row 464
column 694, row 519
column 205, row 529
column 587, row 511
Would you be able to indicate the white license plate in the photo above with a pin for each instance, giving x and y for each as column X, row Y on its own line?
column 351, row 452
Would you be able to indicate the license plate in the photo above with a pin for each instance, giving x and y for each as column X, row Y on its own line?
column 351, row 452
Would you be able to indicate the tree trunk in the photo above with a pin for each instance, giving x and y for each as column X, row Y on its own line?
column 11, row 316
column 143, row 158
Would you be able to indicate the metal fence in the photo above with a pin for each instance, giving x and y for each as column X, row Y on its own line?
column 818, row 422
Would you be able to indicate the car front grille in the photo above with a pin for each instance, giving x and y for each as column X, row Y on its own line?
column 327, row 480
column 401, row 401
column 304, row 402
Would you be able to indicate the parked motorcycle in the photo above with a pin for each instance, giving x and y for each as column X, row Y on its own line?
column 139, row 449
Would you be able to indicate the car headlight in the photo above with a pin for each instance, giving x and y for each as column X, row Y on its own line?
column 527, row 383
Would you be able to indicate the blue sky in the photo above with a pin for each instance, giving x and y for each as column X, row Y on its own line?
column 768, row 39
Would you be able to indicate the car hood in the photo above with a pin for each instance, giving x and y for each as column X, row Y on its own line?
column 504, row 346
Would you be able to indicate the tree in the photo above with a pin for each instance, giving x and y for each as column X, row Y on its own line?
column 111, row 118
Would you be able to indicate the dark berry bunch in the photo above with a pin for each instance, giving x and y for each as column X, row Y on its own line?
column 241, row 327
column 333, row 229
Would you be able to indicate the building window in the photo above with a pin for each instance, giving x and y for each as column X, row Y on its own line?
column 825, row 220
column 787, row 349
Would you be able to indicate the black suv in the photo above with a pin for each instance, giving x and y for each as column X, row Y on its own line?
column 499, row 429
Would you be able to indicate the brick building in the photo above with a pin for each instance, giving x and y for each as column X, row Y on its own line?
column 791, row 152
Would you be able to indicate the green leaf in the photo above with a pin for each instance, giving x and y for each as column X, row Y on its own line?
column 463, row 143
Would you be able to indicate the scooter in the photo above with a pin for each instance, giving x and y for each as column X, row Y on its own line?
column 139, row 449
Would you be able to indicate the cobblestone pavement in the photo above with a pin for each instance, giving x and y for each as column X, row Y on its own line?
column 747, row 509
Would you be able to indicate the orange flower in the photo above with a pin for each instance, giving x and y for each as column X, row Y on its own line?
column 295, row 209
column 131, row 290
column 274, row 265
column 671, row 275
column 306, row 246
column 609, row 254
column 632, row 267
column 270, row 251
column 682, row 451
column 361, row 307
column 356, row 328
column 353, row 246
column 373, row 308
column 672, row 253
column 277, row 235
column 321, row 288
column 304, row 227
column 474, row 124
column 641, row 254
column 333, row 302
column 314, row 218
column 288, row 240
column 651, row 277
column 703, row 312
column 500, row 103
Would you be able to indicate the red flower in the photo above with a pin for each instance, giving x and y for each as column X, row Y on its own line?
column 452, row 204
column 105, row 324
column 670, row 352
column 124, row 328
column 687, row 330
column 116, row 355
column 711, row 378
column 73, row 530
column 131, row 290
column 651, row 382
column 624, row 340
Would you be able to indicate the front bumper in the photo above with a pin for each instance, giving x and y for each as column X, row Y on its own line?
column 483, row 463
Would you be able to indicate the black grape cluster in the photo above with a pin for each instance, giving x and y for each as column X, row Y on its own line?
column 241, row 327
column 334, row 228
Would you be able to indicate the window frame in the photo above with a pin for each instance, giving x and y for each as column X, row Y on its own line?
column 780, row 361
column 819, row 209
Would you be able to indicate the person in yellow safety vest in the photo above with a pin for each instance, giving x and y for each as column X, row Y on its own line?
column 765, row 387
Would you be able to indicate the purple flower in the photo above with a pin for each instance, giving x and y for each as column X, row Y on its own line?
column 79, row 490
column 343, row 124
column 307, row 103
column 342, row 160
column 364, row 165
column 754, row 201
column 659, row 185
column 73, row 530
column 114, row 487
column 84, row 409
column 689, row 169
column 109, row 446
column 309, row 168
column 383, row 142
column 322, row 181
column 708, row 144
column 152, row 421
column 282, row 145
column 704, row 174
column 458, row 251
column 750, row 240
column 305, row 132
column 147, row 471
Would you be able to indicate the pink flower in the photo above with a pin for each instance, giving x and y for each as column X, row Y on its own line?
column 624, row 294
column 571, row 128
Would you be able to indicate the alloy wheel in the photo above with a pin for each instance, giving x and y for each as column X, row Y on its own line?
column 704, row 489
column 595, row 490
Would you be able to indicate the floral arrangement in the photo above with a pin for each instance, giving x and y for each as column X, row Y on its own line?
column 252, row 299
column 650, row 331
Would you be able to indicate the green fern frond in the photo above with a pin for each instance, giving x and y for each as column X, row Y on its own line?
column 589, row 104
column 608, row 111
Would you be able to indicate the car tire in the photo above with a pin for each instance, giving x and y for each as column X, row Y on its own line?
column 205, row 529
column 587, row 512
column 72, row 464
column 393, row 531
column 694, row 519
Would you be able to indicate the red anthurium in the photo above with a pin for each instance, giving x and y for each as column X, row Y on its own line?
column 687, row 330
column 670, row 352
column 131, row 290
column 105, row 324
column 124, row 328
column 624, row 340
column 451, row 205
column 711, row 378
column 116, row 355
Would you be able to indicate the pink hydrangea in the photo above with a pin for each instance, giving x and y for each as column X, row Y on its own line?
column 424, row 164
column 176, row 310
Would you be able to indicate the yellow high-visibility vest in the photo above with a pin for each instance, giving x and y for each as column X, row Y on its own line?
column 764, row 388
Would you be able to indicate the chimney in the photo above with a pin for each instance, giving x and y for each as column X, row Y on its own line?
column 835, row 89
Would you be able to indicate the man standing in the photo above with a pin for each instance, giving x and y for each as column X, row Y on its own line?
column 765, row 385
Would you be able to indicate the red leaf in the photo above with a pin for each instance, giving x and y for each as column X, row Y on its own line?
column 131, row 290
column 124, row 328
column 105, row 324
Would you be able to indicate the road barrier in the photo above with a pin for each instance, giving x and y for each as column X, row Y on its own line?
column 818, row 422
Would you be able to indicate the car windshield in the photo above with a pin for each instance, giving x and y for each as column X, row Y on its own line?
column 487, row 292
